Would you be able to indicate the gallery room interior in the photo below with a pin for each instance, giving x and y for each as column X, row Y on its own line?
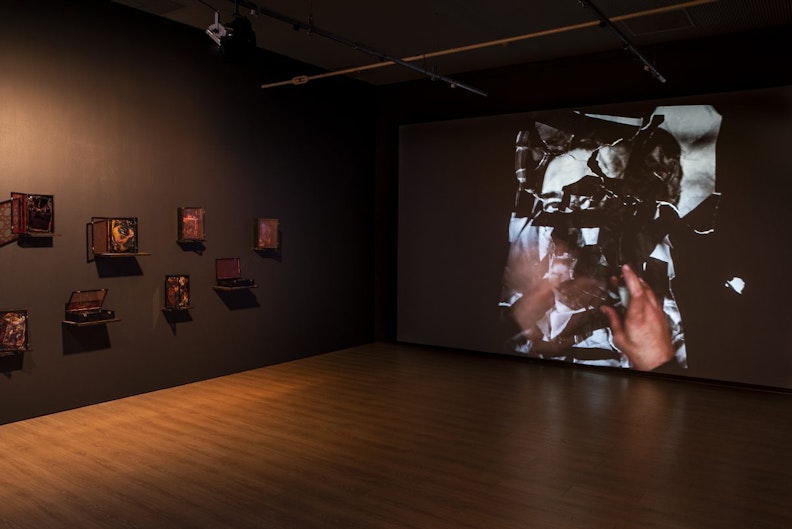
column 305, row 282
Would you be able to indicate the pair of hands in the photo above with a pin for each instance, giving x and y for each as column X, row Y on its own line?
column 644, row 336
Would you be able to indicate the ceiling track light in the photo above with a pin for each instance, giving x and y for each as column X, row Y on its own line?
column 383, row 57
column 302, row 79
column 385, row 60
column 235, row 38
column 217, row 31
column 498, row 42
column 628, row 46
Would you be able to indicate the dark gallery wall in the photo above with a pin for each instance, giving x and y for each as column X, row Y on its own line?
column 117, row 113
column 455, row 186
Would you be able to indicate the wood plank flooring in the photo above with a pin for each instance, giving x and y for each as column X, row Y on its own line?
column 394, row 437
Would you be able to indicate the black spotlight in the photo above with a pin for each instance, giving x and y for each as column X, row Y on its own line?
column 240, row 39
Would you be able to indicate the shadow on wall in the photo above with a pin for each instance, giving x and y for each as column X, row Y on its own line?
column 238, row 299
column 11, row 362
column 118, row 267
column 84, row 339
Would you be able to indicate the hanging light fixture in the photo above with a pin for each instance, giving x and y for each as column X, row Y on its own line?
column 235, row 38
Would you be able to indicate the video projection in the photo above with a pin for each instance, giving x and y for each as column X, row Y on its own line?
column 648, row 236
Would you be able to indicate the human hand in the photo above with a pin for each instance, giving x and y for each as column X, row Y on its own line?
column 644, row 336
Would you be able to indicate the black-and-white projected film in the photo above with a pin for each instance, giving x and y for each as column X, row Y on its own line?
column 594, row 193
column 646, row 235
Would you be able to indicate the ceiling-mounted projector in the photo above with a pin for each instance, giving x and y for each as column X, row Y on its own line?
column 234, row 38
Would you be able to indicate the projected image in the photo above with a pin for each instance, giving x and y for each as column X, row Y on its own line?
column 590, row 269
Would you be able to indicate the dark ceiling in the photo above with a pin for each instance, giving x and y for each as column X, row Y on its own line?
column 449, row 37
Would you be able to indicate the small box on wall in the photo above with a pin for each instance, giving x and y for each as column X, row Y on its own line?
column 228, row 273
column 113, row 235
column 13, row 331
column 32, row 214
column 177, row 291
column 191, row 224
column 266, row 236
column 87, row 306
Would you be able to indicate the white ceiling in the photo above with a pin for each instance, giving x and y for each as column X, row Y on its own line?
column 537, row 29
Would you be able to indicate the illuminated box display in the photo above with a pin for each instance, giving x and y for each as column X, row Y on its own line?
column 191, row 225
column 114, row 235
column 228, row 272
column 13, row 331
column 177, row 291
column 32, row 214
column 266, row 234
column 87, row 306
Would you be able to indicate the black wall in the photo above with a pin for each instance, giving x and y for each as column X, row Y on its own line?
column 117, row 113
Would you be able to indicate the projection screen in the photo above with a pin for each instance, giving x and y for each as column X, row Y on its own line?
column 514, row 229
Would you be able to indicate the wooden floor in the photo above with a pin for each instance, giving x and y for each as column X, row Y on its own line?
column 387, row 436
